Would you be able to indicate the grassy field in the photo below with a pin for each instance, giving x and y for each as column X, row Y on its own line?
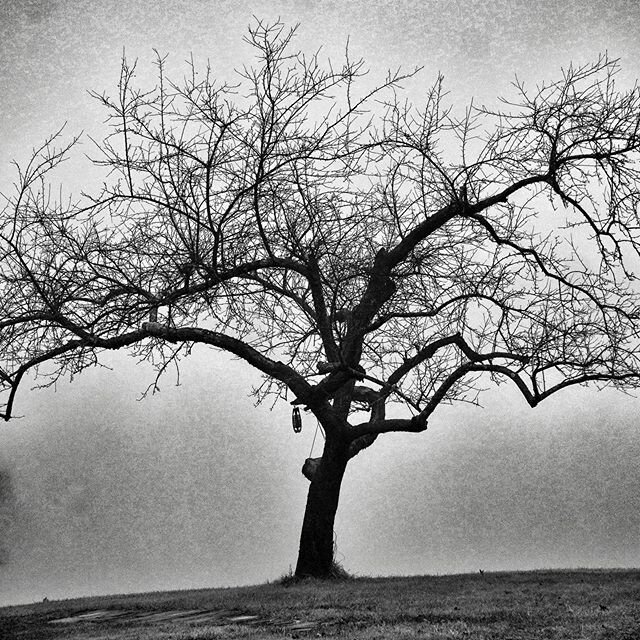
column 496, row 606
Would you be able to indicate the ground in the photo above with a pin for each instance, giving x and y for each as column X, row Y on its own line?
column 603, row 605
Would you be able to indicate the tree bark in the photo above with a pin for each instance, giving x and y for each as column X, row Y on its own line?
column 315, row 557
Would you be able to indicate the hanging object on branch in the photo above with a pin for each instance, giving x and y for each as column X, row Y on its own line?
column 296, row 419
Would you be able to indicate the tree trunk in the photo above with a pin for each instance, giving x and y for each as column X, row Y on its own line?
column 315, row 557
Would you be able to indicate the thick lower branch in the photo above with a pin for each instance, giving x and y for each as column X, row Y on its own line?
column 417, row 424
column 272, row 368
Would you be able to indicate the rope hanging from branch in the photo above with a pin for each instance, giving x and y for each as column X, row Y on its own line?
column 314, row 437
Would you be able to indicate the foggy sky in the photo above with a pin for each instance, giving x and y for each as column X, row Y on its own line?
column 195, row 487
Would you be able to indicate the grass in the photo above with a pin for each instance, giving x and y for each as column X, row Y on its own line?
column 603, row 605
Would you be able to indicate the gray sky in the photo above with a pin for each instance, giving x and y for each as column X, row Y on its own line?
column 101, row 493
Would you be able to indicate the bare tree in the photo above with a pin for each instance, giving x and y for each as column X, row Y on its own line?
column 359, row 251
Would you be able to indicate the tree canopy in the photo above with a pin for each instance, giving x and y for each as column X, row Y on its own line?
column 357, row 249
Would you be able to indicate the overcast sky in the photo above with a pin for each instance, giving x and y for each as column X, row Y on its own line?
column 194, row 487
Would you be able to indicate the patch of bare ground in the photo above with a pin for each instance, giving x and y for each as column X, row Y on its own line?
column 594, row 605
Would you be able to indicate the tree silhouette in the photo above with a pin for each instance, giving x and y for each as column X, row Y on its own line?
column 359, row 251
